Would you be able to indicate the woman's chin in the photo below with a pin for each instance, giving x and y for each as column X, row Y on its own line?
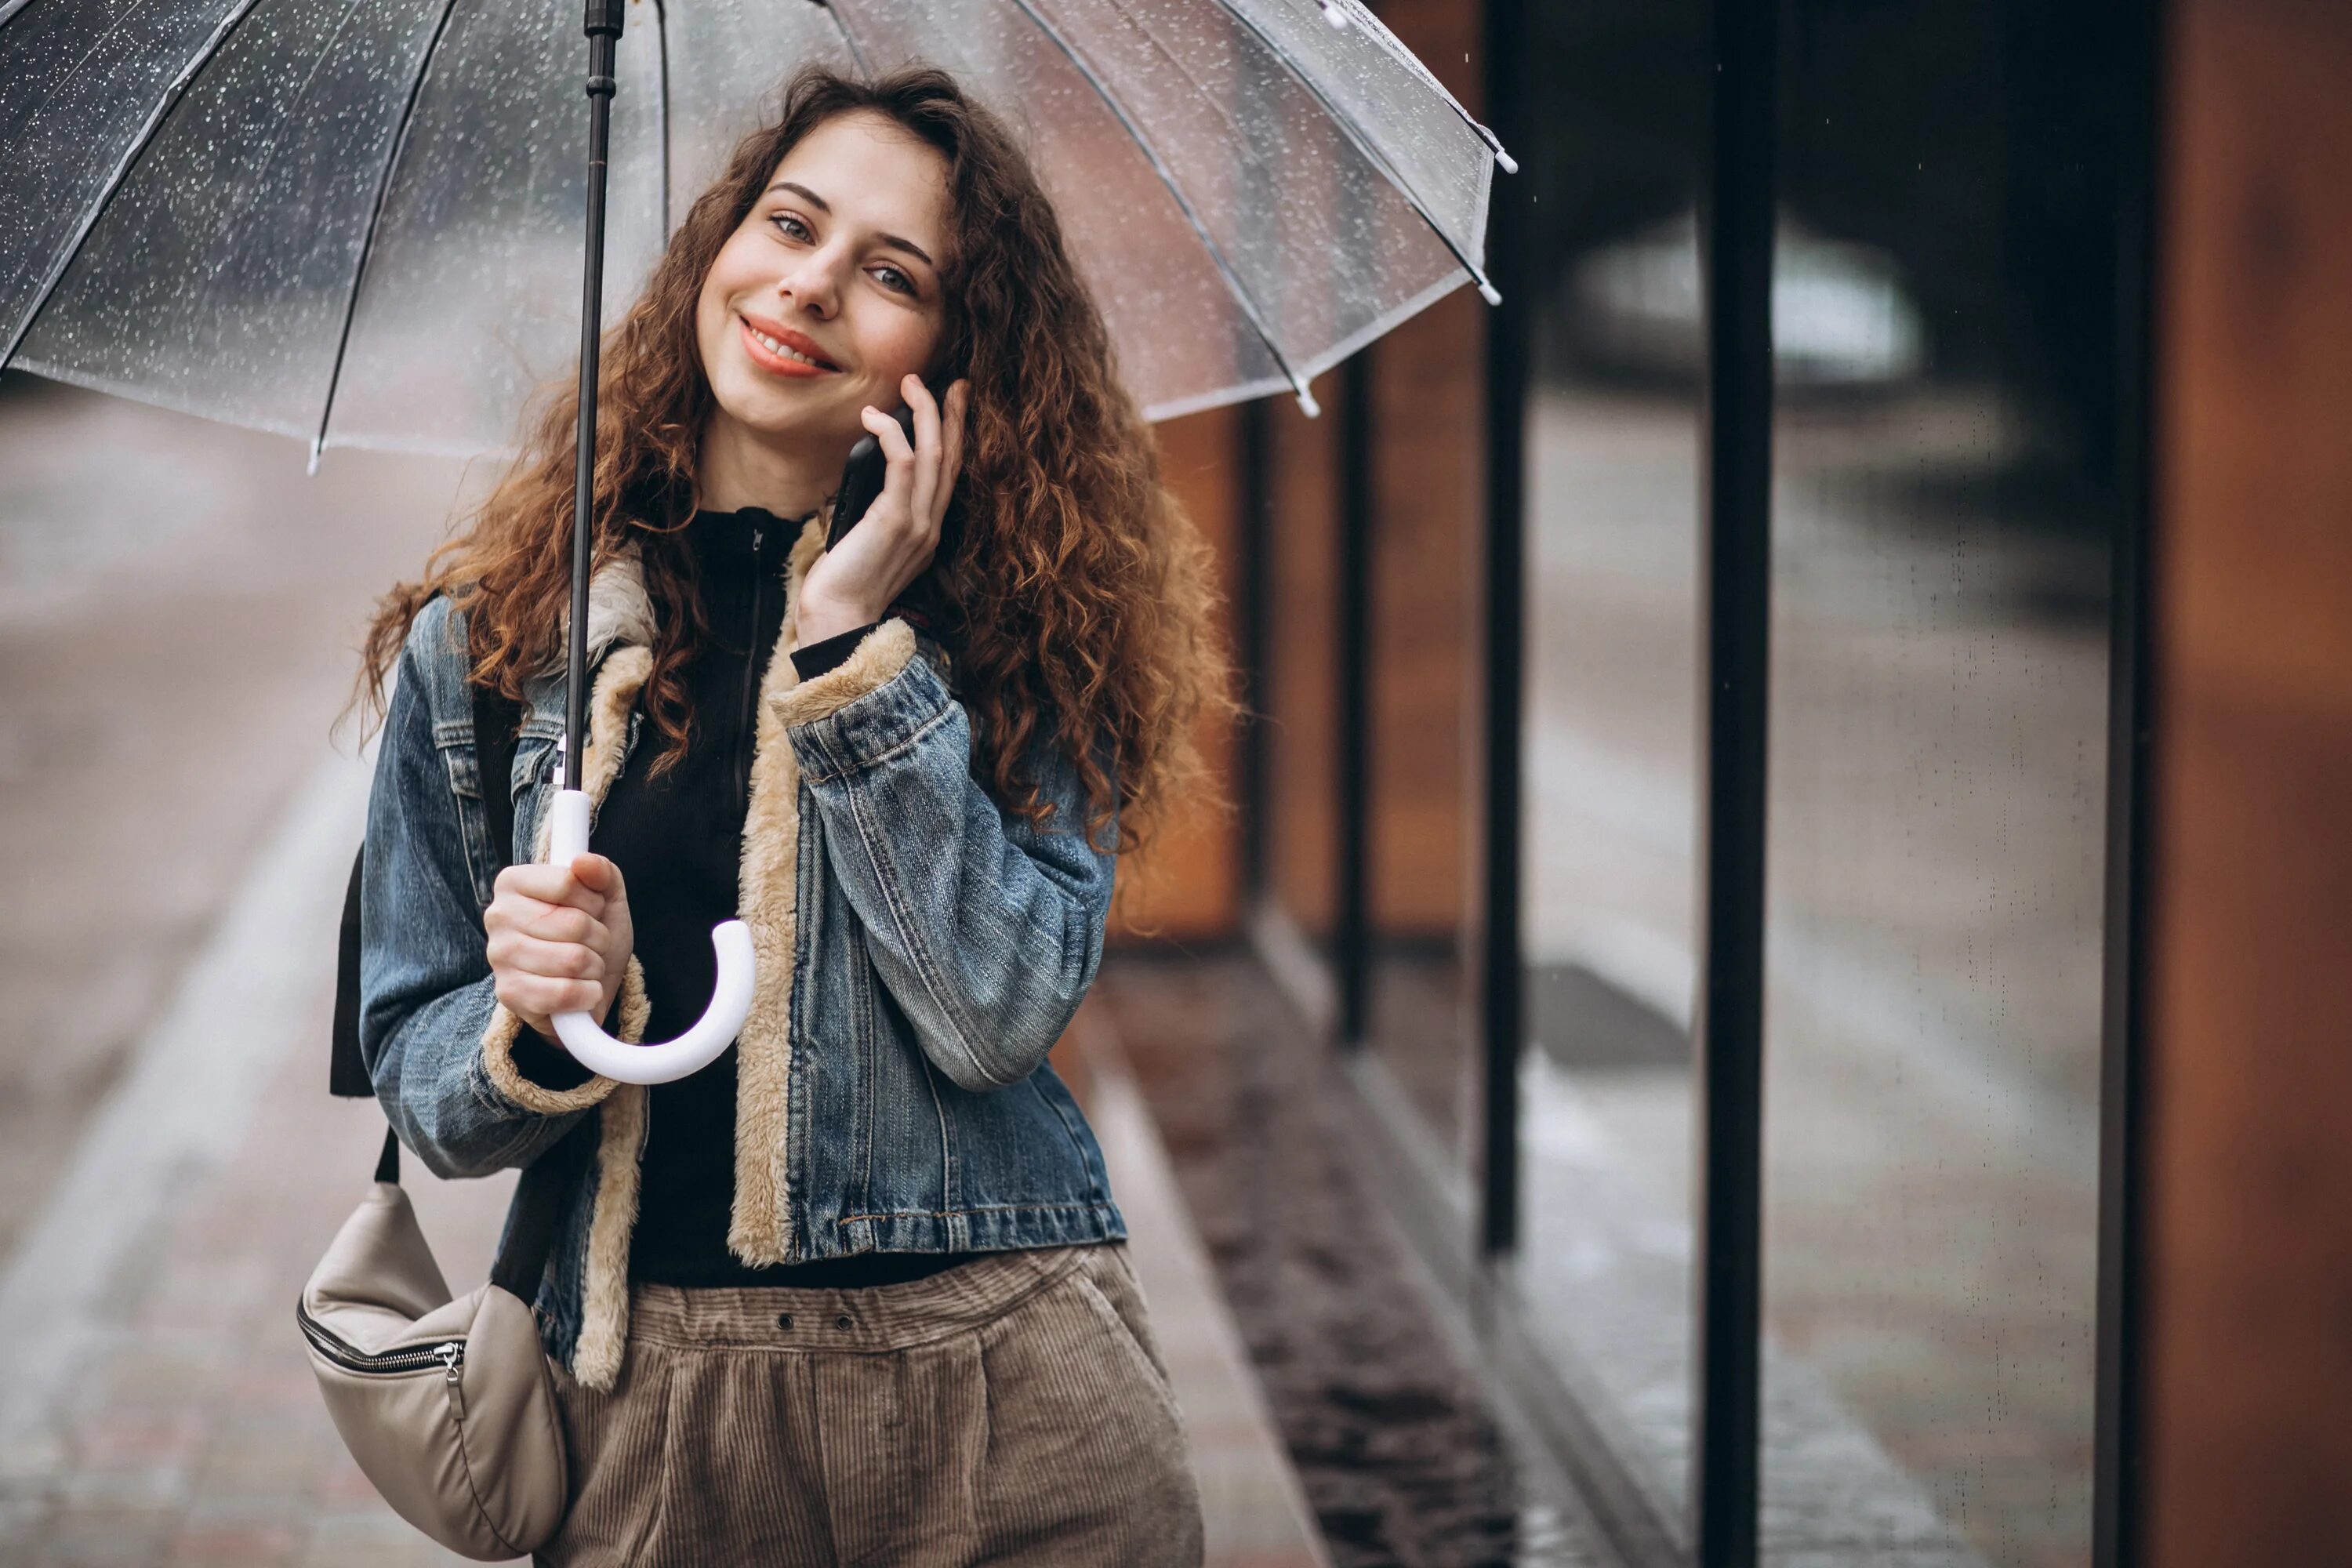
column 765, row 408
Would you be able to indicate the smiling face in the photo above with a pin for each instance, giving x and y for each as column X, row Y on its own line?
column 837, row 261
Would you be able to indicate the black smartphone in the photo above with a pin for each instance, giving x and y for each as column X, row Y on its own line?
column 861, row 482
column 862, row 477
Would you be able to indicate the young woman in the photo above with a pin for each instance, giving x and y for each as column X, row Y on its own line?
column 859, row 1291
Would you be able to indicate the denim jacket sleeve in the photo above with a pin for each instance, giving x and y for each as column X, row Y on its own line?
column 425, row 988
column 986, row 930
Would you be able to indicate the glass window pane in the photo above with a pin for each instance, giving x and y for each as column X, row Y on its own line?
column 1426, row 662
column 1945, row 317
column 1611, row 721
column 1427, row 665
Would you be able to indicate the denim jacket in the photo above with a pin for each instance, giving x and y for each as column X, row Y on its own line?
column 920, row 951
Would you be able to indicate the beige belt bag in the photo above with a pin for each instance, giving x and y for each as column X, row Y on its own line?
column 445, row 1404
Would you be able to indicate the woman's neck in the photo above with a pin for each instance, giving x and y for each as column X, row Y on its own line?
column 734, row 469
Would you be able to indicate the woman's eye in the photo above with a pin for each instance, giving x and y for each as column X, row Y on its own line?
column 799, row 230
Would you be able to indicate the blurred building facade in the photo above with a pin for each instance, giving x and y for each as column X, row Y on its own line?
column 1848, row 1025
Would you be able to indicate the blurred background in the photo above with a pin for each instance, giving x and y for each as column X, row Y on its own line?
column 1405, row 1071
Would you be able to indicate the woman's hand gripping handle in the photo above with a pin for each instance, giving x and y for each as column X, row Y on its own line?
column 560, row 941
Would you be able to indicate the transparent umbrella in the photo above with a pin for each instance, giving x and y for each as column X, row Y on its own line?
column 357, row 221
column 360, row 224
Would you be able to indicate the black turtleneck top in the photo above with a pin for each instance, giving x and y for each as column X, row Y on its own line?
column 679, row 843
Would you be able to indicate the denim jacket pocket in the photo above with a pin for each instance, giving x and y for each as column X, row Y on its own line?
column 536, row 761
column 455, row 741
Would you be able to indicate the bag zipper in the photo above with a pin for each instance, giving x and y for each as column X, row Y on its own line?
column 448, row 1355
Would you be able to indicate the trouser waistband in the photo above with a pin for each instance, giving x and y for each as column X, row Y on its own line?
column 868, row 1318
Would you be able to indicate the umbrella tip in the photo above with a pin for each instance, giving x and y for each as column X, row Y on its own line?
column 1510, row 164
column 311, row 471
column 1307, row 406
column 1488, row 292
column 1334, row 14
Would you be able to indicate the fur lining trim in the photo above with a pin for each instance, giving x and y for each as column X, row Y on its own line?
column 757, row 1222
column 609, row 701
column 605, row 1310
column 879, row 655
column 631, row 1008
column 619, row 610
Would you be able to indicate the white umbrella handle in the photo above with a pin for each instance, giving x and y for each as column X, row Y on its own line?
column 731, row 1002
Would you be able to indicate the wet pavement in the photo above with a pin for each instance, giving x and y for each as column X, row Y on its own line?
column 1398, row 1446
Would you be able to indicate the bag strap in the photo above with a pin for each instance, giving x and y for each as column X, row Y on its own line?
column 547, row 1182
column 348, row 1074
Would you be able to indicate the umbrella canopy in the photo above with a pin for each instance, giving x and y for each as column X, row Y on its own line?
column 357, row 222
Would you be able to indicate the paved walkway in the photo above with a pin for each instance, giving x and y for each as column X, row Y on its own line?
column 155, row 1403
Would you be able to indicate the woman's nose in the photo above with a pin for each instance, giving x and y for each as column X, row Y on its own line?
column 810, row 286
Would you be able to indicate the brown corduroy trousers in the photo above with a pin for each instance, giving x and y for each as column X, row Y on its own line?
column 1014, row 1410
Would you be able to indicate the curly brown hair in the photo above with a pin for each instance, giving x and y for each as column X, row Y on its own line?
column 1080, row 589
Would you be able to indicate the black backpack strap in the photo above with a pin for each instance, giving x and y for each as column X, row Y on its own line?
column 349, row 1077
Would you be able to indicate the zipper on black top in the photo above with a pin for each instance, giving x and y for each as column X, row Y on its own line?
column 743, row 732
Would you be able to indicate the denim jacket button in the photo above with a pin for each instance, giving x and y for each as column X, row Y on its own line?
column 784, row 1320
column 842, row 1322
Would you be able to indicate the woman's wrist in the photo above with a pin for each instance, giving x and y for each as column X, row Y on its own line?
column 818, row 619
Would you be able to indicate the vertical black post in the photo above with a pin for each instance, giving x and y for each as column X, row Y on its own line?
column 1510, row 326
column 1255, row 611
column 1736, row 554
column 2119, row 1429
column 602, row 26
column 1351, row 926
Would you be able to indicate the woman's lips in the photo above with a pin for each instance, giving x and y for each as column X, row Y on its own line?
column 771, row 362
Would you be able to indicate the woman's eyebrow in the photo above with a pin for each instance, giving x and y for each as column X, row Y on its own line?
column 818, row 201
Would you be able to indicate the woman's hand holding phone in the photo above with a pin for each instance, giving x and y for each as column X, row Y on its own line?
column 855, row 582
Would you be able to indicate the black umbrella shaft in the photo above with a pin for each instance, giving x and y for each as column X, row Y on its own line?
column 602, row 26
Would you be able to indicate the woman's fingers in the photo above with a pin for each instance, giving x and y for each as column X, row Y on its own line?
column 534, row 997
column 556, row 935
column 554, row 884
column 552, row 959
column 899, row 468
column 951, row 454
column 560, row 923
column 928, row 449
column 601, row 877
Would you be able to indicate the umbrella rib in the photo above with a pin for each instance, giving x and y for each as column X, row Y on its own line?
column 1371, row 153
column 1379, row 33
column 1168, row 178
column 375, row 217
column 131, row 157
column 841, row 25
column 661, row 45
